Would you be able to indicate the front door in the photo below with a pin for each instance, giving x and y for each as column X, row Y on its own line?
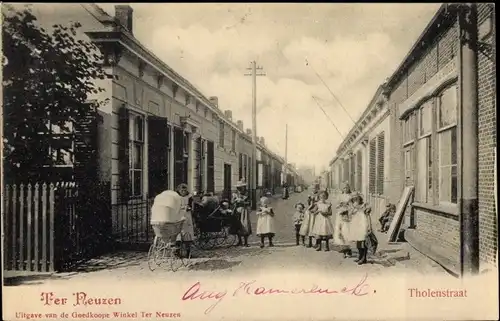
column 227, row 181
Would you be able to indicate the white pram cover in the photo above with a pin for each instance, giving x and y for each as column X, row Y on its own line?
column 167, row 208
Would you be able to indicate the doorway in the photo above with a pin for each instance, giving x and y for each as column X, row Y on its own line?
column 227, row 181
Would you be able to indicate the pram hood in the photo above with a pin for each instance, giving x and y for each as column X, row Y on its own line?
column 167, row 208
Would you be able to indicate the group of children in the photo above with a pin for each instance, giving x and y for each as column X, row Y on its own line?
column 352, row 224
column 314, row 221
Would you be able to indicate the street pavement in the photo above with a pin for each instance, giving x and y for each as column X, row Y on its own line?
column 285, row 254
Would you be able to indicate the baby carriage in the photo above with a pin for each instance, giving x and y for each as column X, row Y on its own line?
column 213, row 222
column 167, row 223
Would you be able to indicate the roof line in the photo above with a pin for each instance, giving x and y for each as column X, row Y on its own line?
column 423, row 35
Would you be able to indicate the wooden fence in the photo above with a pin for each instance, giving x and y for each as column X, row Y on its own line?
column 46, row 226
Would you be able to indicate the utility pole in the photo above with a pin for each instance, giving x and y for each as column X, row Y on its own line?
column 253, row 178
column 286, row 153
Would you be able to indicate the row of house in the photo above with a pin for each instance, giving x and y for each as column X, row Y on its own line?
column 432, row 126
column 153, row 131
column 158, row 130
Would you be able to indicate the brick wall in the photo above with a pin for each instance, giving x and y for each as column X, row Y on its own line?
column 488, row 228
column 441, row 233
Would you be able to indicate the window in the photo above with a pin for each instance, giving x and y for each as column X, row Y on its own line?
column 447, row 145
column 221, row 134
column 409, row 129
column 62, row 145
column 136, row 139
column 408, row 163
column 437, row 171
column 233, row 141
column 425, row 119
column 424, row 192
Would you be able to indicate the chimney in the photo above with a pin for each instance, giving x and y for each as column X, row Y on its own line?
column 124, row 14
column 249, row 131
column 240, row 124
column 262, row 141
column 228, row 114
column 214, row 100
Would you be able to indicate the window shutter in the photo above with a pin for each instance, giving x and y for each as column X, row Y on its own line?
column 157, row 155
column 198, row 169
column 251, row 177
column 123, row 153
column 373, row 162
column 210, row 167
column 380, row 162
column 240, row 166
column 178, row 157
column 352, row 172
column 245, row 167
column 203, row 164
column 359, row 170
column 85, row 147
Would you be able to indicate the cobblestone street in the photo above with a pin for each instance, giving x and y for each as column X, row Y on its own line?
column 391, row 259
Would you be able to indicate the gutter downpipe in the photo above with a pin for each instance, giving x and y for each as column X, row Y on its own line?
column 469, row 129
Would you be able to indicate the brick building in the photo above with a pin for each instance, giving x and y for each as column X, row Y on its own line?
column 441, row 105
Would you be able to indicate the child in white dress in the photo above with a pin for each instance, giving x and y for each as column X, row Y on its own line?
column 265, row 222
column 323, row 227
column 308, row 223
column 298, row 218
column 360, row 226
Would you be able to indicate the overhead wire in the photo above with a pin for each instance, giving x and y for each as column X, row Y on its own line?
column 331, row 92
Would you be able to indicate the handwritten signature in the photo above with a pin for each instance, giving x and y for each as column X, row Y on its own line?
column 195, row 292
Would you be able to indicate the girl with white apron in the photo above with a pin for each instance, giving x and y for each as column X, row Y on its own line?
column 360, row 226
column 265, row 222
column 323, row 227
column 308, row 223
column 342, row 222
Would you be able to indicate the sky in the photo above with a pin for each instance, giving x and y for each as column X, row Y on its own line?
column 306, row 51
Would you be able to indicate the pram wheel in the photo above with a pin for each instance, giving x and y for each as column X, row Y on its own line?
column 154, row 259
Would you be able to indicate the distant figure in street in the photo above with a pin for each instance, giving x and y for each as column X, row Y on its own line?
column 308, row 223
column 386, row 218
column 286, row 194
column 323, row 227
column 342, row 222
column 298, row 218
column 242, row 204
column 360, row 226
column 265, row 221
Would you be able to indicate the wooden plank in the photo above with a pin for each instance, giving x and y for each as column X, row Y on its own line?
column 44, row 227
column 37, row 232
column 21, row 227
column 52, row 227
column 398, row 216
column 29, row 201
column 14, row 227
column 7, row 227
